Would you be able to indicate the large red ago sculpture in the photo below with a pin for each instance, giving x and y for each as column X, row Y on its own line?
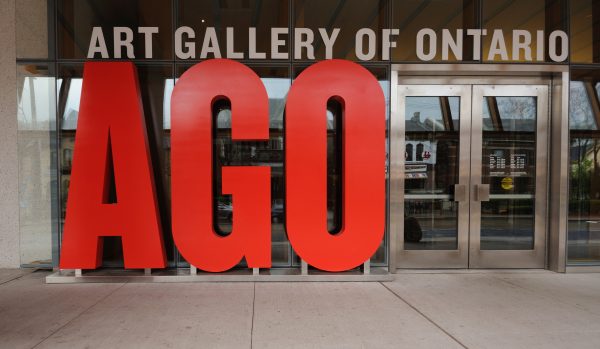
column 111, row 129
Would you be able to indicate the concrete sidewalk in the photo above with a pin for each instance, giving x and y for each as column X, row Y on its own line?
column 419, row 310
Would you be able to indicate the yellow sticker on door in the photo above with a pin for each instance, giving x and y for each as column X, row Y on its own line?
column 507, row 183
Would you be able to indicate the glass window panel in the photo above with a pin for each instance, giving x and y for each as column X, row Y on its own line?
column 426, row 114
column 154, row 80
column 509, row 167
column 410, row 16
column 37, row 153
column 382, row 75
column 531, row 15
column 431, row 171
column 334, row 166
column 584, row 199
column 513, row 114
column 240, row 15
column 349, row 16
column 77, row 18
column 584, row 180
column 581, row 116
column 31, row 20
column 582, row 30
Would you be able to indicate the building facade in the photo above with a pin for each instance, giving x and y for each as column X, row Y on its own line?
column 493, row 118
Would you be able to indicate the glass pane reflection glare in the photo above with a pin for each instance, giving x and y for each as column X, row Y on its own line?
column 509, row 144
column 432, row 156
column 37, row 153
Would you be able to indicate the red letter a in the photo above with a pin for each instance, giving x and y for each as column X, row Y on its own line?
column 111, row 117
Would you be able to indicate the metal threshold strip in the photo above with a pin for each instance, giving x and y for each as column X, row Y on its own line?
column 242, row 275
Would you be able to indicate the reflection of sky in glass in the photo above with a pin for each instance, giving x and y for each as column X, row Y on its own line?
column 277, row 90
column 385, row 86
column 36, row 103
column 168, row 90
column 581, row 116
column 69, row 117
column 430, row 107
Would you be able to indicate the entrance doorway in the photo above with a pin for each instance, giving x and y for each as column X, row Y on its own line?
column 470, row 165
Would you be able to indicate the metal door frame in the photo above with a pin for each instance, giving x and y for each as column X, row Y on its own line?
column 468, row 253
column 534, row 258
column 558, row 137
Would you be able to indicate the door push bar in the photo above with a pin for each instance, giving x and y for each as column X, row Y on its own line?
column 460, row 192
column 482, row 192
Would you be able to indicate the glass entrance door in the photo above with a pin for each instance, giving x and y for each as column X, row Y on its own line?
column 508, row 176
column 430, row 150
column 469, row 176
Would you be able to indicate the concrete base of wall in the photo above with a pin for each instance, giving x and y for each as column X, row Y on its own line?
column 184, row 275
column 9, row 189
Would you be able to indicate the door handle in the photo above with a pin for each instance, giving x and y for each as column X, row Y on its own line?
column 460, row 192
column 482, row 192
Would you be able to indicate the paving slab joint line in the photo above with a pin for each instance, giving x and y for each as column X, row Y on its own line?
column 252, row 323
column 17, row 277
column 78, row 315
column 548, row 297
column 423, row 315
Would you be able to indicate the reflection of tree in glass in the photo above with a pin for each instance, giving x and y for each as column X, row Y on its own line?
column 581, row 116
column 585, row 177
column 580, row 170
column 516, row 107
